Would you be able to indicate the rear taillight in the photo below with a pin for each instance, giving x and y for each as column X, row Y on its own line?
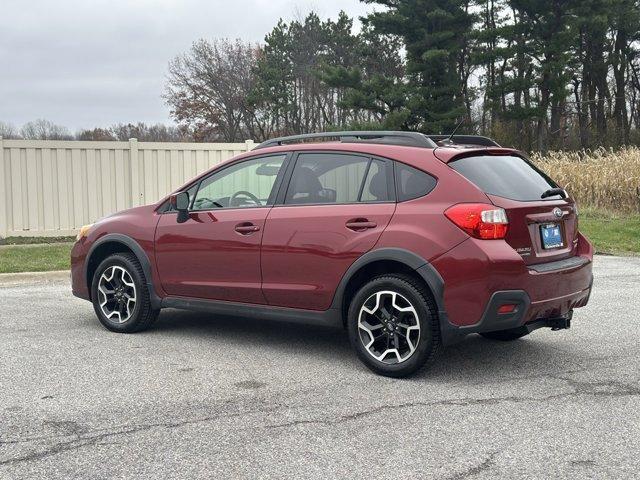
column 480, row 220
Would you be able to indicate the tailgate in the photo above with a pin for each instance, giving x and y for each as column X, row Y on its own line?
column 532, row 226
column 543, row 225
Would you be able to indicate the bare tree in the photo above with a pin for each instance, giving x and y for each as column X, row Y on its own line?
column 8, row 131
column 44, row 130
column 148, row 133
column 208, row 89
column 96, row 135
column 142, row 131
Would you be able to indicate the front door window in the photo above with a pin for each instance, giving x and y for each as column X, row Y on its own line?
column 247, row 184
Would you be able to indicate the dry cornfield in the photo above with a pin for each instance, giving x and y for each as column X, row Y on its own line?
column 603, row 179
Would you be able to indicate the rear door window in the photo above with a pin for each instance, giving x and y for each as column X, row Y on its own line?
column 505, row 176
column 376, row 186
column 320, row 178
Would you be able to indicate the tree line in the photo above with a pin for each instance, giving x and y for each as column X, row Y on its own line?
column 42, row 129
column 536, row 74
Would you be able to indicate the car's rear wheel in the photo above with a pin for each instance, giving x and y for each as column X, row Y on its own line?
column 120, row 295
column 393, row 325
column 506, row 335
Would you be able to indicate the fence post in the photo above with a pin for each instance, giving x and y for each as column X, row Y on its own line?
column 137, row 197
column 249, row 144
column 3, row 195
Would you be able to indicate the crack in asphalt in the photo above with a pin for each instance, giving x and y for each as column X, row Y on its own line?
column 605, row 388
column 486, row 464
column 88, row 438
column 93, row 438
column 85, row 437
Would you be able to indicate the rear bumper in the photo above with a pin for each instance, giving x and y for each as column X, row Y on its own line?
column 555, row 313
column 479, row 277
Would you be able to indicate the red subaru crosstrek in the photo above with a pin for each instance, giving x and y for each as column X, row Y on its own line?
column 410, row 241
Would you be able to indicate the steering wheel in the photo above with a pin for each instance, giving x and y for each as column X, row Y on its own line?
column 204, row 203
column 251, row 196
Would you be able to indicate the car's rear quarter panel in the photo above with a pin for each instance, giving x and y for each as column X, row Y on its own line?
column 420, row 225
column 475, row 269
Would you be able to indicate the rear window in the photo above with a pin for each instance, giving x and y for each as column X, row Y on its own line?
column 505, row 176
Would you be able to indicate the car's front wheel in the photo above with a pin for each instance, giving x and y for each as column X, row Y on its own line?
column 120, row 295
column 393, row 325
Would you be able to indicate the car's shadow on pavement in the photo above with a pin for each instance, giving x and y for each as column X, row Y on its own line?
column 279, row 336
column 478, row 360
column 473, row 360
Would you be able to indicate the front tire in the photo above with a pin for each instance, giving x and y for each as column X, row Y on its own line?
column 393, row 325
column 120, row 295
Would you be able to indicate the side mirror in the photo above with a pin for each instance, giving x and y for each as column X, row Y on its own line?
column 180, row 201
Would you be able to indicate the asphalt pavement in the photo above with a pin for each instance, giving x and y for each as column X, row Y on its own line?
column 202, row 397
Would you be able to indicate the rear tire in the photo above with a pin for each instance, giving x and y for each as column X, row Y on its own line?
column 120, row 295
column 393, row 325
column 506, row 335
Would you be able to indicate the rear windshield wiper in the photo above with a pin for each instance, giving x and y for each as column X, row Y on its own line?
column 552, row 192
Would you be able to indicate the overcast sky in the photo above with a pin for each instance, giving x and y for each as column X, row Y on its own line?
column 89, row 63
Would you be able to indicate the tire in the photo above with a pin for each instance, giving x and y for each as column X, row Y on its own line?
column 506, row 335
column 127, row 278
column 381, row 295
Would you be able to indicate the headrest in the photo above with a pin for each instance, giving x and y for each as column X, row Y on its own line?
column 378, row 186
column 306, row 181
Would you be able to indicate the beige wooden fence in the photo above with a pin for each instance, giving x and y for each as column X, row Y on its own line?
column 50, row 188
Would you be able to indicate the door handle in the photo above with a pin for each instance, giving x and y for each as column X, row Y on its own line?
column 360, row 224
column 247, row 228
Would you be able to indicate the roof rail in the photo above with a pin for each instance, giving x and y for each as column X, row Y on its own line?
column 478, row 140
column 412, row 139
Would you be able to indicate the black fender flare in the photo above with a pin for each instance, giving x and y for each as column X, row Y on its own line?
column 449, row 333
column 137, row 250
column 423, row 268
